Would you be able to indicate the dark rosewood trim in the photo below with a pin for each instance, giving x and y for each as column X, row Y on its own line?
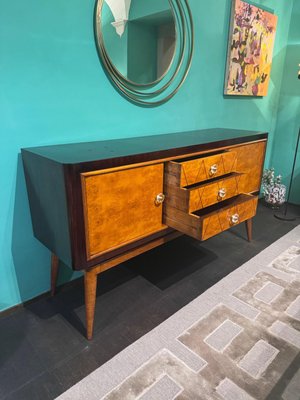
column 249, row 227
column 160, row 145
column 172, row 152
column 75, row 216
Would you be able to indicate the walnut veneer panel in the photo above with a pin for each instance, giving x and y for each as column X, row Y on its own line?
column 198, row 169
column 250, row 161
column 202, row 195
column 120, row 207
column 221, row 220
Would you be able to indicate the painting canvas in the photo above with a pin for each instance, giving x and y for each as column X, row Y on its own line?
column 250, row 50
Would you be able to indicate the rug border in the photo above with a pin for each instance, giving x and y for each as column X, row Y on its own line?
column 137, row 354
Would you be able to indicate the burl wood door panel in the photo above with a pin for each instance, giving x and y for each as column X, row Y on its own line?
column 187, row 172
column 120, row 207
column 193, row 198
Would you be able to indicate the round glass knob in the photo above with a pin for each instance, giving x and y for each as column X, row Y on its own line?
column 159, row 199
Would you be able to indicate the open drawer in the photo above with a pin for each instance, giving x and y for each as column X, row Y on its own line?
column 209, row 221
column 188, row 171
column 198, row 196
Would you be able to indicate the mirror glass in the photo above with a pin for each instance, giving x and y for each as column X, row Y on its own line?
column 139, row 38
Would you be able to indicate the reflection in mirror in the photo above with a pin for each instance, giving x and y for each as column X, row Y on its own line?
column 139, row 38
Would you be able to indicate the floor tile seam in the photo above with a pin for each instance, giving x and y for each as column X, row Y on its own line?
column 140, row 312
column 23, row 385
column 68, row 358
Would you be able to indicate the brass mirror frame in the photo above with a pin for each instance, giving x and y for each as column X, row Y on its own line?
column 167, row 85
column 121, row 76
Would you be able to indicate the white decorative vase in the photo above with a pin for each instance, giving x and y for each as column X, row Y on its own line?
column 275, row 194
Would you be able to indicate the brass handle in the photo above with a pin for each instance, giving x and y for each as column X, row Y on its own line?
column 213, row 169
column 159, row 199
column 222, row 193
column 234, row 219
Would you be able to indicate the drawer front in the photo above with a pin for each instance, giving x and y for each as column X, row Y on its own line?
column 120, row 206
column 212, row 220
column 216, row 192
column 191, row 171
column 203, row 195
column 225, row 219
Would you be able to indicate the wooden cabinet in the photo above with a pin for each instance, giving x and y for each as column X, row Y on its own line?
column 95, row 205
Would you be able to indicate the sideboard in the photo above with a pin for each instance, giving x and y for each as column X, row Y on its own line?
column 95, row 205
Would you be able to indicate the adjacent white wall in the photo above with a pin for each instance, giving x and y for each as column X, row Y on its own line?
column 120, row 10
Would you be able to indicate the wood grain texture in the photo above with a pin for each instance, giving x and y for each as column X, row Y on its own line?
column 211, row 220
column 250, row 161
column 120, row 206
column 45, row 181
column 111, row 153
column 90, row 291
column 189, row 224
column 202, row 195
column 249, row 225
column 209, row 194
column 221, row 220
column 198, row 169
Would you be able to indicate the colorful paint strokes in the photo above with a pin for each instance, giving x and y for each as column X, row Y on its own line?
column 250, row 50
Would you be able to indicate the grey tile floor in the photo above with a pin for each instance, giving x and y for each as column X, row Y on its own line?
column 43, row 350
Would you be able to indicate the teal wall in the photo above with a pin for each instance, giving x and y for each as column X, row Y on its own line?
column 54, row 90
column 143, row 47
column 288, row 121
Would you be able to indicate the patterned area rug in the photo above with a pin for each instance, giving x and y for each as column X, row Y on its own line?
column 240, row 340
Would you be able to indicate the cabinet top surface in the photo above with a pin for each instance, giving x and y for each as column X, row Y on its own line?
column 75, row 153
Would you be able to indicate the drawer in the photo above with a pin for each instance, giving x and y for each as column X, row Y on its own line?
column 188, row 171
column 209, row 221
column 121, row 206
column 195, row 197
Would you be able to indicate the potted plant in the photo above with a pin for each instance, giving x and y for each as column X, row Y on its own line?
column 274, row 191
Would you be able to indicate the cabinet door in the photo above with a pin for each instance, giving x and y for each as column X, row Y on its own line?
column 120, row 206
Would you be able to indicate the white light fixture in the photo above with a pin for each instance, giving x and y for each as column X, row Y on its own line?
column 120, row 10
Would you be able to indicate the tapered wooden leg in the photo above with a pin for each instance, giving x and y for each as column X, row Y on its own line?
column 90, row 287
column 54, row 272
column 249, row 229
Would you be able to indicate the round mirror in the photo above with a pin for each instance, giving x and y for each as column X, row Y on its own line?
column 145, row 45
column 139, row 38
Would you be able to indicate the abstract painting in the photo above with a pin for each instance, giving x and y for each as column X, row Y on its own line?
column 250, row 50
